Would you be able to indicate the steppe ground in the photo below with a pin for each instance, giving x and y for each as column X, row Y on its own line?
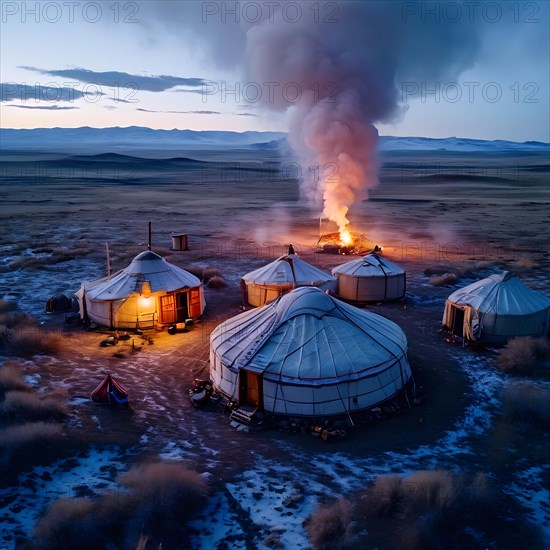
column 434, row 213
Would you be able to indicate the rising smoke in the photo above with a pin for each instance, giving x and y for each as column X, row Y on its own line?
column 335, row 73
column 348, row 73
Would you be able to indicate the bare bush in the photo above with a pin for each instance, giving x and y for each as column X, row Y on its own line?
column 195, row 270
column 521, row 354
column 6, row 306
column 527, row 402
column 11, row 378
column 28, row 407
column 446, row 279
column 216, row 282
column 28, row 340
column 329, row 527
column 210, row 272
column 153, row 508
column 14, row 437
column 64, row 524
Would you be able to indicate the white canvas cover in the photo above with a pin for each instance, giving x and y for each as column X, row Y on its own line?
column 117, row 301
column 283, row 274
column 371, row 278
column 316, row 355
column 498, row 308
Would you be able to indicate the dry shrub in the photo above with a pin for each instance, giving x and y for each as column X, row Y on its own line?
column 14, row 437
column 16, row 319
column 434, row 509
column 526, row 263
column 64, row 523
column 445, row 280
column 28, row 407
column 527, row 402
column 11, row 378
column 159, row 499
column 329, row 527
column 522, row 353
column 210, row 272
column 7, row 306
column 29, row 340
column 195, row 270
column 439, row 270
column 216, row 282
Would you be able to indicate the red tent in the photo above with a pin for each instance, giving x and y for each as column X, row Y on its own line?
column 110, row 391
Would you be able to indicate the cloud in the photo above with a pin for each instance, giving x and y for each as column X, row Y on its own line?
column 116, row 79
column 246, row 114
column 45, row 107
column 180, row 112
column 12, row 91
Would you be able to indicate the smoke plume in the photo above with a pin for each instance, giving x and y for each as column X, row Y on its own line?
column 337, row 78
column 334, row 70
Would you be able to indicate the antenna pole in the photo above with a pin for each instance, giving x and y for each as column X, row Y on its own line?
column 149, row 243
column 108, row 260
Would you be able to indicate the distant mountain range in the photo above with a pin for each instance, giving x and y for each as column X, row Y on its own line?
column 137, row 137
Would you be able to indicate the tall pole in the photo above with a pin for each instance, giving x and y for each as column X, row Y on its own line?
column 149, row 243
column 108, row 259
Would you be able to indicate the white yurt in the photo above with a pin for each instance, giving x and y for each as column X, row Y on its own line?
column 370, row 279
column 147, row 293
column 308, row 354
column 496, row 309
column 283, row 274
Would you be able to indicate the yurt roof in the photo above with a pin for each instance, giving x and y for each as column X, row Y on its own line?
column 371, row 265
column 503, row 293
column 309, row 335
column 288, row 269
column 146, row 266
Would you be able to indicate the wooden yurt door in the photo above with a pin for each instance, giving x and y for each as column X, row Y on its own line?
column 194, row 304
column 168, row 309
column 250, row 388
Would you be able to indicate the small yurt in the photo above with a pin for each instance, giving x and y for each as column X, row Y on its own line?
column 285, row 273
column 148, row 293
column 308, row 354
column 496, row 309
column 370, row 279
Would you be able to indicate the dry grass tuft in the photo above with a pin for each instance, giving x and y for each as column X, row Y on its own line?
column 11, row 378
column 526, row 263
column 210, row 272
column 329, row 527
column 195, row 270
column 216, row 282
column 7, row 306
column 159, row 499
column 26, row 340
column 14, row 437
column 526, row 402
column 29, row 407
column 522, row 354
column 446, row 279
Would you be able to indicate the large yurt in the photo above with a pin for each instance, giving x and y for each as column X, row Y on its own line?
column 370, row 279
column 308, row 354
column 148, row 293
column 496, row 309
column 283, row 274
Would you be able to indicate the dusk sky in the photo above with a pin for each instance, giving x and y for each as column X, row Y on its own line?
column 185, row 65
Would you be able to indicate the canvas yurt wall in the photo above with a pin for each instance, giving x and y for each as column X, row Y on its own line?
column 147, row 293
column 308, row 354
column 285, row 273
column 496, row 309
column 370, row 279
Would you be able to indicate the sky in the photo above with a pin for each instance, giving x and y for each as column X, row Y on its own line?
column 185, row 64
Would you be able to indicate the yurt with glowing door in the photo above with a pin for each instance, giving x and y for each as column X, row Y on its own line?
column 308, row 354
column 495, row 309
column 370, row 279
column 147, row 293
column 267, row 283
